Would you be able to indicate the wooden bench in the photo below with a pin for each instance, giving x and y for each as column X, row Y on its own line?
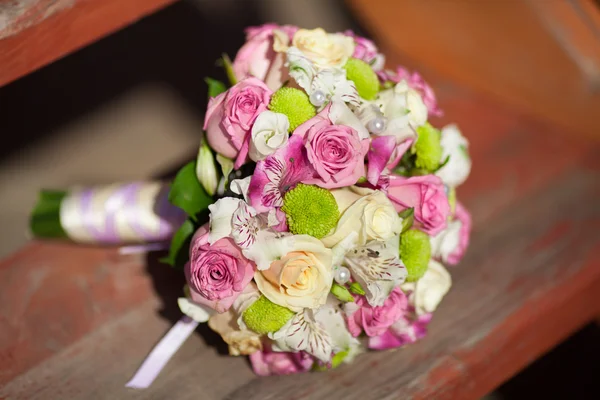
column 76, row 322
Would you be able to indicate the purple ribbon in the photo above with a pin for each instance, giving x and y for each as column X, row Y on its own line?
column 162, row 353
column 124, row 201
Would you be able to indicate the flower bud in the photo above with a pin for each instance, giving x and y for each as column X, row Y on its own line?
column 206, row 169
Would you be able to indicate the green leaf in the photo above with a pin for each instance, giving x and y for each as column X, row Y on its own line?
column 357, row 289
column 187, row 193
column 215, row 87
column 408, row 218
column 44, row 221
column 341, row 293
column 442, row 164
column 228, row 65
column 336, row 360
column 180, row 244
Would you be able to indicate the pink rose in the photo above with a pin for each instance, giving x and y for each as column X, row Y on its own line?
column 336, row 152
column 366, row 50
column 256, row 57
column 406, row 330
column 427, row 195
column 268, row 362
column 416, row 82
column 216, row 273
column 464, row 217
column 376, row 320
column 230, row 116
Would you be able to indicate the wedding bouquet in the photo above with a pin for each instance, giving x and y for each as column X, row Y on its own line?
column 321, row 206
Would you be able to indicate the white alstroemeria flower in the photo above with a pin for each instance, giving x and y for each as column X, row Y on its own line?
column 331, row 318
column 333, row 83
column 232, row 217
column 455, row 146
column 193, row 310
column 269, row 133
column 404, row 110
column 447, row 241
column 427, row 292
column 304, row 333
column 300, row 68
column 367, row 112
column 340, row 114
column 378, row 269
column 240, row 186
column 269, row 246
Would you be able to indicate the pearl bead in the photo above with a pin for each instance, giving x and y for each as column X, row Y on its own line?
column 317, row 98
column 377, row 125
column 342, row 275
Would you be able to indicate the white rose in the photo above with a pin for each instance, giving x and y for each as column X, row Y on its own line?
column 445, row 242
column 369, row 213
column 404, row 109
column 427, row 292
column 325, row 50
column 455, row 146
column 269, row 132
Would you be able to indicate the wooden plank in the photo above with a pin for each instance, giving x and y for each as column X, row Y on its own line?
column 76, row 322
column 531, row 278
column 39, row 32
column 575, row 26
column 497, row 47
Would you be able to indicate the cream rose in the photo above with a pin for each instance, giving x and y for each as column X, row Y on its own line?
column 299, row 279
column 427, row 293
column 326, row 50
column 367, row 212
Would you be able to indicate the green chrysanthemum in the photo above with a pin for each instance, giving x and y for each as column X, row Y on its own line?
column 294, row 103
column 364, row 78
column 428, row 148
column 264, row 316
column 415, row 251
column 310, row 210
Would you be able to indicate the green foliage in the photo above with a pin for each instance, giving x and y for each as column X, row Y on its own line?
column 187, row 193
column 180, row 244
column 44, row 221
column 215, row 87
column 341, row 293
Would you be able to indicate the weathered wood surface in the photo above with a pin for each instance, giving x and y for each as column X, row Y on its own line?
column 542, row 57
column 75, row 322
column 34, row 33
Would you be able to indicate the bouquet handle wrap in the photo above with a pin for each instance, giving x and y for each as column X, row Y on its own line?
column 134, row 212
